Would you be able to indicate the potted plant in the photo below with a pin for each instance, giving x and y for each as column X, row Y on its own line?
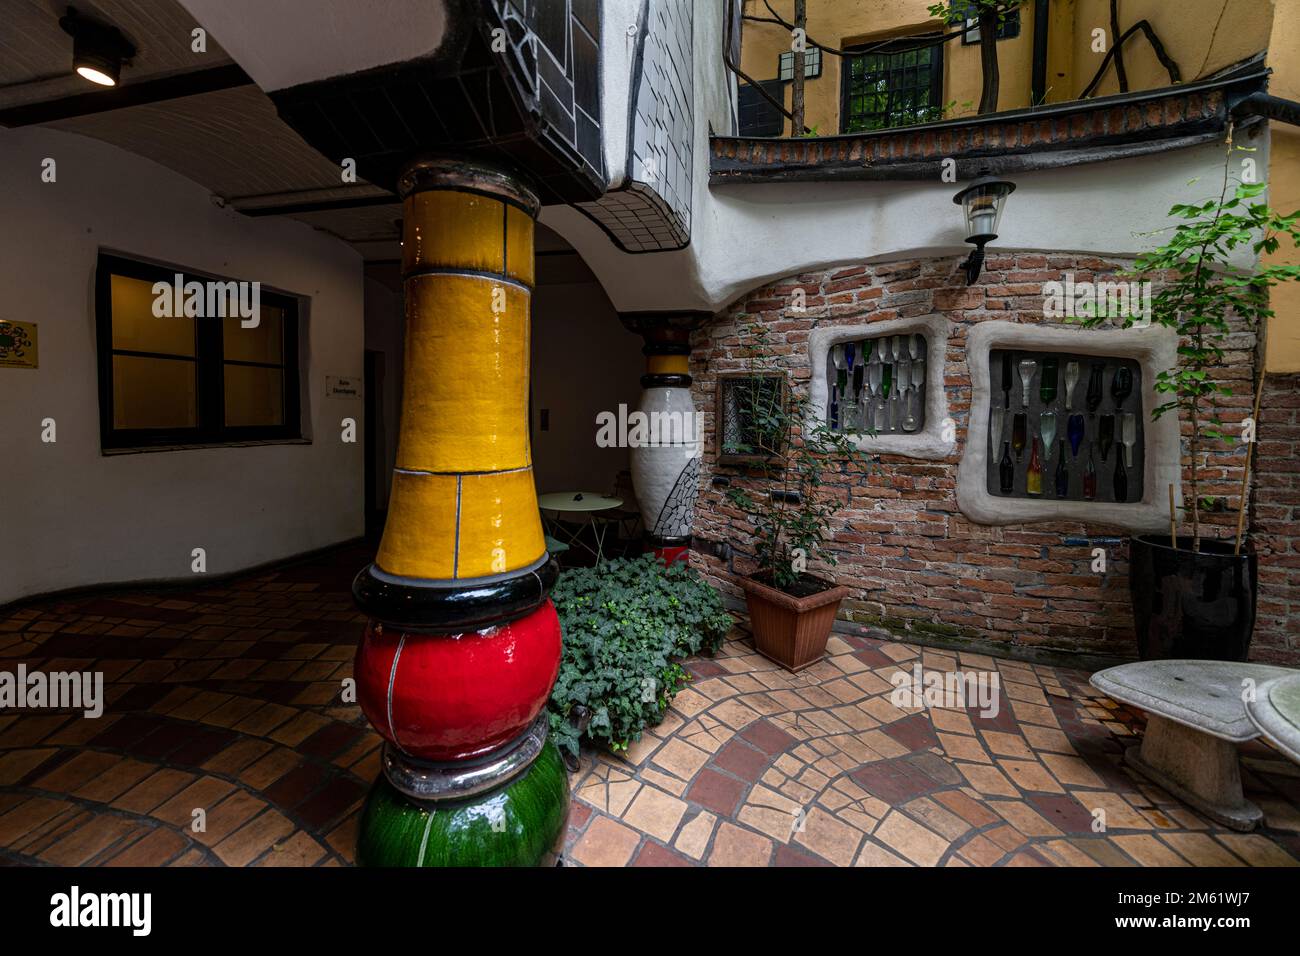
column 789, row 454
column 1194, row 596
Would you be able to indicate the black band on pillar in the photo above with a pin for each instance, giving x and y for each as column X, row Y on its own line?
column 661, row 380
column 453, row 610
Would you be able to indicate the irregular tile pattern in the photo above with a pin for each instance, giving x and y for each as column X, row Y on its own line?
column 227, row 700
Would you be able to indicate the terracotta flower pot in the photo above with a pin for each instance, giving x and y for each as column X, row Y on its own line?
column 792, row 631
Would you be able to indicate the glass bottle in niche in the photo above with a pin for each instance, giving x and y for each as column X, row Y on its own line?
column 1047, row 428
column 1095, row 387
column 1047, row 382
column 1090, row 475
column 1062, row 474
column 1019, row 432
column 1122, row 387
column 1075, row 429
column 1006, row 470
column 997, row 418
column 1121, row 479
column 1106, row 436
column 1034, row 476
column 1006, row 380
column 1071, row 380
column 1027, row 369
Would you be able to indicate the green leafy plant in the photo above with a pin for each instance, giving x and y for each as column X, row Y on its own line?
column 1202, row 291
column 795, row 453
column 626, row 626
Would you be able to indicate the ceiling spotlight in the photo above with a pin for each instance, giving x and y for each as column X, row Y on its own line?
column 98, row 49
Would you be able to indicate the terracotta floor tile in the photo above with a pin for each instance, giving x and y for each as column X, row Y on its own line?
column 656, row 813
column 158, row 787
column 693, row 839
column 156, row 848
column 828, row 837
column 733, row 846
column 120, row 777
column 254, row 838
column 205, row 793
column 88, row 840
column 605, row 843
column 680, row 758
column 299, row 850
column 911, row 840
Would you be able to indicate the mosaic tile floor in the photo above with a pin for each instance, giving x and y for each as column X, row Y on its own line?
column 226, row 698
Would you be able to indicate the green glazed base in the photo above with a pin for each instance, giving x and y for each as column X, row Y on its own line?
column 519, row 824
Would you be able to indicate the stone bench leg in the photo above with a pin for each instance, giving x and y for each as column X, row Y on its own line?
column 1198, row 769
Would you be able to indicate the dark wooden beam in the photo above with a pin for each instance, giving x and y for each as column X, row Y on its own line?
column 138, row 93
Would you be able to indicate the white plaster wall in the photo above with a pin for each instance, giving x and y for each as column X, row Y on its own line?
column 73, row 517
column 745, row 236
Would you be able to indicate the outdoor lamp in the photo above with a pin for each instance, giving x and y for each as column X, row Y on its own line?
column 982, row 203
column 97, row 48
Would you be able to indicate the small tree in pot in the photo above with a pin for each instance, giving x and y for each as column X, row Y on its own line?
column 1194, row 596
column 790, row 507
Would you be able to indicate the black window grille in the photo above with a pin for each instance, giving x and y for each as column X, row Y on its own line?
column 899, row 84
column 757, row 116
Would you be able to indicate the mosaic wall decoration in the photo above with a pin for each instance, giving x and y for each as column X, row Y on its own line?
column 1065, row 426
column 878, row 385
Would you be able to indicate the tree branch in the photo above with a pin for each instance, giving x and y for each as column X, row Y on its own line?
column 1159, row 48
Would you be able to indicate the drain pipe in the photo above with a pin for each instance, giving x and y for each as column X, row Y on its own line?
column 1038, row 81
column 1270, row 107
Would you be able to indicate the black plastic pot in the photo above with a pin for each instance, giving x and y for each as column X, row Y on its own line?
column 1192, row 605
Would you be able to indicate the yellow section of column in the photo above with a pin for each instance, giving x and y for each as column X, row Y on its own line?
column 454, row 230
column 463, row 504
column 668, row 365
column 465, row 402
column 521, row 262
column 500, row 526
column 420, row 531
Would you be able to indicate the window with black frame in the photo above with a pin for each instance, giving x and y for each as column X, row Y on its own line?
column 171, row 376
column 896, row 84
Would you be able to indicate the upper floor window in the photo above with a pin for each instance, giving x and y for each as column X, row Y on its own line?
column 1008, row 24
column 185, row 359
column 757, row 115
column 896, row 84
column 812, row 64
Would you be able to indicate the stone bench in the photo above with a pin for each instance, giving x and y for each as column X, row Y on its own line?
column 1275, row 712
column 1197, row 715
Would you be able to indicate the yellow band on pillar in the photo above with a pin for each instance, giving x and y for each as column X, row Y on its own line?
column 668, row 365
column 463, row 503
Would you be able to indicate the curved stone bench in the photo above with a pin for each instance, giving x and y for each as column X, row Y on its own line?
column 1275, row 712
column 1197, row 715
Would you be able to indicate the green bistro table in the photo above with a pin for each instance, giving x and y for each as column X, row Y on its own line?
column 586, row 504
column 1276, row 712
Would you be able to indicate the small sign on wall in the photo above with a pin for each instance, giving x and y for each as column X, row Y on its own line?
column 17, row 344
column 342, row 386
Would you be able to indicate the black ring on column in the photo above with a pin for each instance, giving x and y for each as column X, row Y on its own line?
column 453, row 610
column 663, row 380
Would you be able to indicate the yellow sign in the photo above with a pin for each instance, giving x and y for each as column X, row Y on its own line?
column 17, row 344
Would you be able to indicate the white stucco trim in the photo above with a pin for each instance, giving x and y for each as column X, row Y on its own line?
column 929, row 443
column 1154, row 349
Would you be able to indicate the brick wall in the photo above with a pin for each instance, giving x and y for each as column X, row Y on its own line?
column 1275, row 520
column 917, row 566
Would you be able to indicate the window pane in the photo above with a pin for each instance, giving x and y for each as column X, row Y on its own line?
column 136, row 328
column 262, row 343
column 254, row 396
column 153, row 392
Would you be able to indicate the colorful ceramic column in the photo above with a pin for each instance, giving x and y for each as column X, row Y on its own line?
column 463, row 646
column 666, row 466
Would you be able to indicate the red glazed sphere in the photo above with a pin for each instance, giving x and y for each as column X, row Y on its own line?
column 455, row 696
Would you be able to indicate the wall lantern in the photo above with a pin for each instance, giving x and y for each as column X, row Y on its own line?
column 982, row 203
column 98, row 49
